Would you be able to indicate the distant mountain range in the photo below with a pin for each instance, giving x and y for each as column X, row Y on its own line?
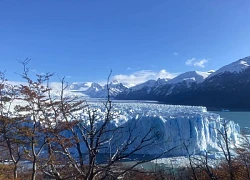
column 95, row 90
column 226, row 88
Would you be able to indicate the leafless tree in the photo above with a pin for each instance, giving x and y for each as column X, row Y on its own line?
column 11, row 144
column 94, row 135
column 202, row 163
column 225, row 146
column 55, row 133
column 34, row 112
column 191, row 164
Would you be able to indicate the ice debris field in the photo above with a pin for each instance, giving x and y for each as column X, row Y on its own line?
column 185, row 129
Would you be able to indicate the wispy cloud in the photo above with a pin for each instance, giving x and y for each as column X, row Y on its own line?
column 198, row 63
column 201, row 63
column 175, row 54
column 17, row 83
column 142, row 76
column 189, row 62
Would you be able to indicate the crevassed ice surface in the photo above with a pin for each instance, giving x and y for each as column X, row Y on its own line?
column 186, row 129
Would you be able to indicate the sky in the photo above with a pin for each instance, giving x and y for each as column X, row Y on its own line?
column 82, row 40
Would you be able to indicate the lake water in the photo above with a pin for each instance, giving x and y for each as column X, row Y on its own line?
column 241, row 118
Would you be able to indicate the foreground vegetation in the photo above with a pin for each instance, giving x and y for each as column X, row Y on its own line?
column 41, row 137
column 60, row 137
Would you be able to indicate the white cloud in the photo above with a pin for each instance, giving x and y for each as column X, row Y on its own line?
column 197, row 63
column 175, row 54
column 164, row 74
column 189, row 62
column 17, row 83
column 142, row 76
column 56, row 85
column 201, row 63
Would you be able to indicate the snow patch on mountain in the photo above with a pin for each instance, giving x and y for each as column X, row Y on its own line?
column 235, row 67
column 115, row 87
column 160, row 82
column 189, row 77
column 148, row 85
column 95, row 90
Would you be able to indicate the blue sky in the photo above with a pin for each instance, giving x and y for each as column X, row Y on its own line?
column 137, row 39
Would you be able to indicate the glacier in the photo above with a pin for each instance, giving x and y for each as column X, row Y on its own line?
column 184, row 129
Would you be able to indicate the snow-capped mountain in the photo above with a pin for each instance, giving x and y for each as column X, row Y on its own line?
column 226, row 88
column 162, row 87
column 163, row 81
column 95, row 90
column 190, row 77
column 148, row 85
column 141, row 90
column 235, row 67
column 181, row 83
column 115, row 87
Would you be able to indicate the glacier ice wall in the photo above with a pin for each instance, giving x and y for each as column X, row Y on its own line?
column 186, row 129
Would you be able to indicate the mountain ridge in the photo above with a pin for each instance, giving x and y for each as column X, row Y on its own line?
column 95, row 90
column 226, row 88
